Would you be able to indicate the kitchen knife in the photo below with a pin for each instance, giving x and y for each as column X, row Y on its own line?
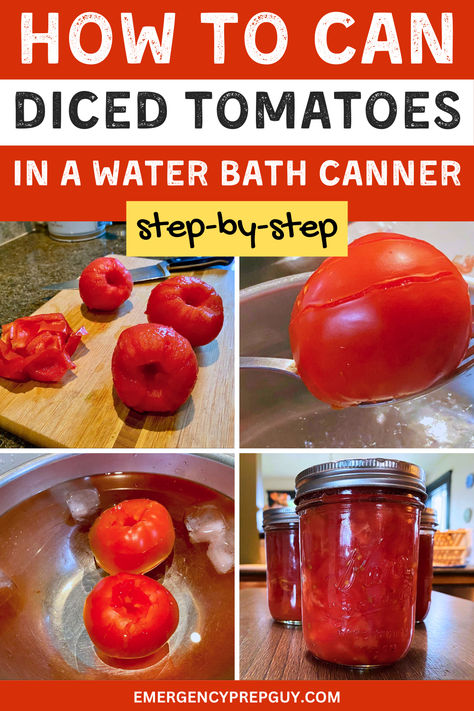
column 159, row 270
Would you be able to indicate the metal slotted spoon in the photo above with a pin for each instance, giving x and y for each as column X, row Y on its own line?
column 288, row 367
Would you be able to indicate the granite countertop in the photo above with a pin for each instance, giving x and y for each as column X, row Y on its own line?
column 33, row 260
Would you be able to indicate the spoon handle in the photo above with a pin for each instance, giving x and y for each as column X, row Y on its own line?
column 279, row 365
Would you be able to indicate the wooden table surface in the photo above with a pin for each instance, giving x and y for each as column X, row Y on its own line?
column 442, row 647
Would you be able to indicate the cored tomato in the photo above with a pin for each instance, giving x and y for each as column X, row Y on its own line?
column 132, row 537
column 130, row 616
column 190, row 306
column 105, row 284
column 390, row 319
column 154, row 368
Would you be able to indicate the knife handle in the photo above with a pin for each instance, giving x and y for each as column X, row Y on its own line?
column 187, row 264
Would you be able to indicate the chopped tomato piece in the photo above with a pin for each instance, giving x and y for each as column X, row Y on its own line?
column 49, row 366
column 74, row 340
column 38, row 348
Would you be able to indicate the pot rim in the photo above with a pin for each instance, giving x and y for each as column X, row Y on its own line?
column 262, row 289
column 220, row 476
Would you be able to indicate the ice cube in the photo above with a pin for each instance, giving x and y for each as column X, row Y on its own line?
column 204, row 523
column 207, row 524
column 83, row 504
column 221, row 555
column 7, row 587
column 229, row 534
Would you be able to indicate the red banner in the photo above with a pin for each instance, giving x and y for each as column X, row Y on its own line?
column 348, row 166
column 351, row 695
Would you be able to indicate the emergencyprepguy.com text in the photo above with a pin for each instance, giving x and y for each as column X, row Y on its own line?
column 240, row 696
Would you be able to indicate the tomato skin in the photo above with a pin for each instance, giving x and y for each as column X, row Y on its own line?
column 188, row 304
column 154, row 368
column 132, row 537
column 390, row 319
column 130, row 616
column 105, row 284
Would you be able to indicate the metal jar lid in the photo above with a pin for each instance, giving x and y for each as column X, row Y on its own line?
column 428, row 519
column 280, row 514
column 349, row 473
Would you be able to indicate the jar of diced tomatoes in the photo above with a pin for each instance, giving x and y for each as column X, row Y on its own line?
column 424, row 582
column 283, row 564
column 359, row 529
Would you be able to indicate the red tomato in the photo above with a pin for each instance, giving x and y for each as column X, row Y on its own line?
column 388, row 320
column 48, row 366
column 38, row 348
column 132, row 537
column 190, row 306
column 130, row 616
column 105, row 284
column 154, row 368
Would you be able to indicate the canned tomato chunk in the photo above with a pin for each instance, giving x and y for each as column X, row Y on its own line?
column 359, row 529
column 425, row 564
column 283, row 564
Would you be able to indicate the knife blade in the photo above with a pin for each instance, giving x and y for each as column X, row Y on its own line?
column 157, row 271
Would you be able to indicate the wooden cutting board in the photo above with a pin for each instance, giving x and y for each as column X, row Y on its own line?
column 84, row 411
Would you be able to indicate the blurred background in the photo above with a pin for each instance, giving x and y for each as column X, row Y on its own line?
column 268, row 480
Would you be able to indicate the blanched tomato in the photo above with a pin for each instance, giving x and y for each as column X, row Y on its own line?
column 132, row 537
column 390, row 319
column 130, row 616
column 105, row 284
column 191, row 306
column 154, row 368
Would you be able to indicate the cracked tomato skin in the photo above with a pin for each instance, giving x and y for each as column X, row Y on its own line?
column 132, row 537
column 105, row 284
column 154, row 368
column 387, row 321
column 130, row 616
column 188, row 304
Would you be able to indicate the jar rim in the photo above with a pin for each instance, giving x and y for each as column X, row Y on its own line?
column 280, row 514
column 428, row 518
column 350, row 473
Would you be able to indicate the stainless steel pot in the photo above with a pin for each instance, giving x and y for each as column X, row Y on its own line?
column 278, row 411
column 46, row 560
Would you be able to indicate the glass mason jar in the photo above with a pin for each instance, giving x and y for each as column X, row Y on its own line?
column 359, row 528
column 424, row 582
column 283, row 564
